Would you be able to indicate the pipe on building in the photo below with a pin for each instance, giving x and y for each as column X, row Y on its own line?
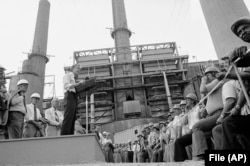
column 167, row 90
column 92, row 110
column 87, row 115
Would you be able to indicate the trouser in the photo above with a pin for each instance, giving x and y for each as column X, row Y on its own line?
column 33, row 129
column 180, row 147
column 189, row 152
column 52, row 131
column 70, row 104
column 136, row 158
column 15, row 124
column 199, row 129
column 217, row 136
column 143, row 156
column 235, row 132
column 158, row 155
column 155, row 155
column 130, row 156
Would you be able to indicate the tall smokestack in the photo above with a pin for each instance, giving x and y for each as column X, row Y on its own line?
column 121, row 35
column 33, row 69
column 224, row 13
column 42, row 26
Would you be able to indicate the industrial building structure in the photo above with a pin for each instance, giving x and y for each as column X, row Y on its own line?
column 135, row 84
column 225, row 12
column 158, row 84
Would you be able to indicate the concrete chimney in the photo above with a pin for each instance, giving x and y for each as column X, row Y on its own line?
column 121, row 33
column 33, row 68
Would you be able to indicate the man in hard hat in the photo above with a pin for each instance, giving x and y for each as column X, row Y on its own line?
column 156, row 143
column 173, row 132
column 232, row 133
column 17, row 110
column 4, row 97
column 183, row 105
column 241, row 28
column 70, row 100
column 34, row 122
column 180, row 152
column 191, row 100
column 55, row 118
column 213, row 110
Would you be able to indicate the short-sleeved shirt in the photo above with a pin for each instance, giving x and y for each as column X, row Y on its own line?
column 68, row 80
column 230, row 89
column 214, row 100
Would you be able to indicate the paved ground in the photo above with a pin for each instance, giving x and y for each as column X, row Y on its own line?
column 187, row 163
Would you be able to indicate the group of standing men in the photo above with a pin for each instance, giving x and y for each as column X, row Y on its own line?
column 23, row 120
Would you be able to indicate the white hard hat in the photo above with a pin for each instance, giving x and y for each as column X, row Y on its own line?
column 22, row 81
column 35, row 95
column 177, row 106
column 183, row 102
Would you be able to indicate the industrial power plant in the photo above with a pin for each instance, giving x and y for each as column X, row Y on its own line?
column 135, row 85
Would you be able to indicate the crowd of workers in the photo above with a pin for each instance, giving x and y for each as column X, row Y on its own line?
column 217, row 121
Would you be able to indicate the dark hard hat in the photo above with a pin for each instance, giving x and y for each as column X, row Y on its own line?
column 237, row 23
column 224, row 57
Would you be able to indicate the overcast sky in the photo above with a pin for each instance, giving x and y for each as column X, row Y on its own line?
column 82, row 25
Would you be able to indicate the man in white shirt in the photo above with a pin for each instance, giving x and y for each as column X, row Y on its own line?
column 33, row 113
column 70, row 101
column 55, row 118
column 34, row 126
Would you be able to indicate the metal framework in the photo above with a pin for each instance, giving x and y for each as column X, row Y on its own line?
column 160, row 56
column 131, row 49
